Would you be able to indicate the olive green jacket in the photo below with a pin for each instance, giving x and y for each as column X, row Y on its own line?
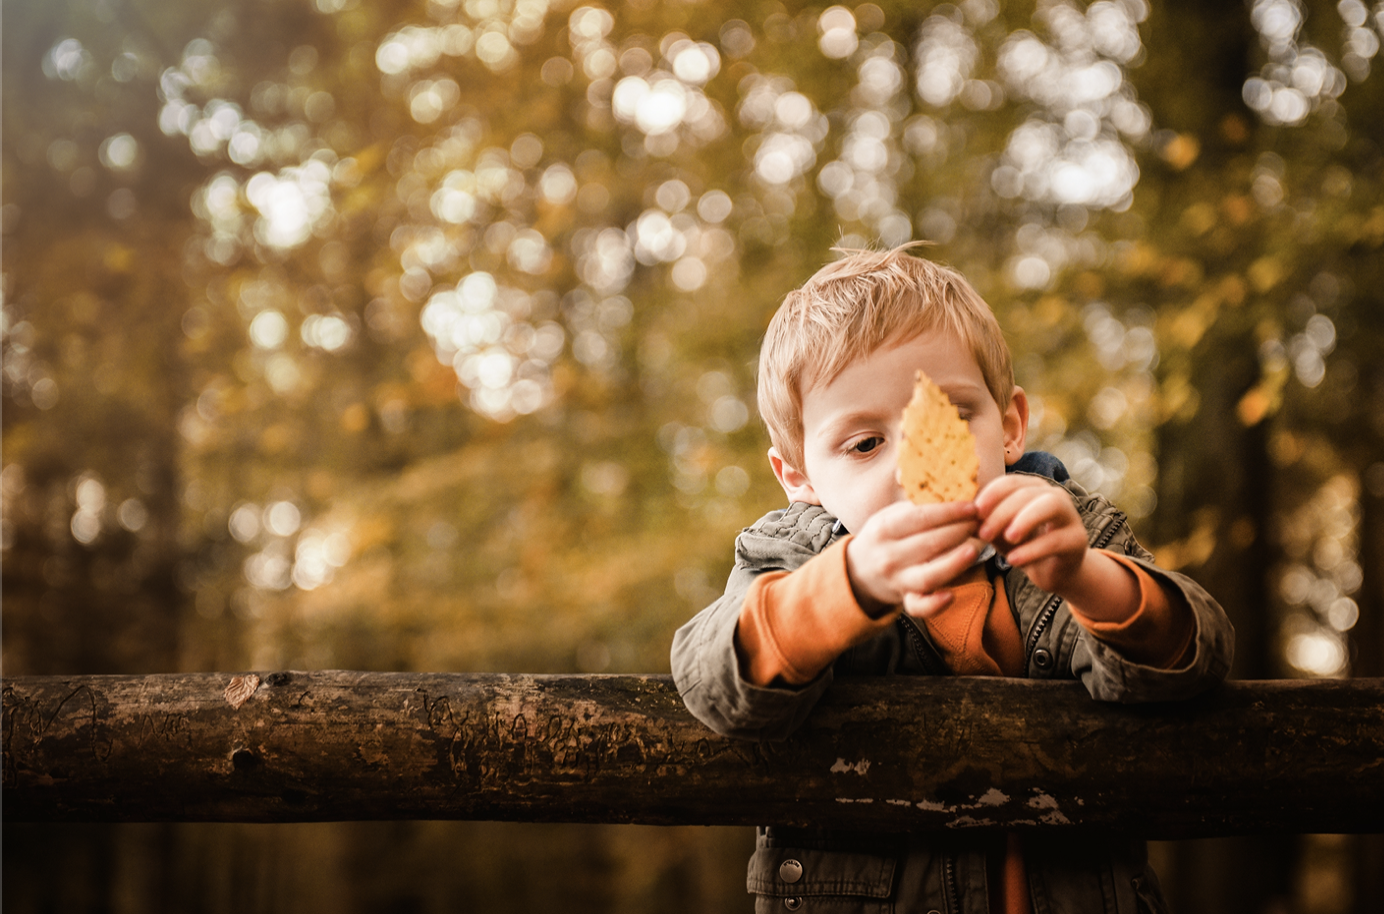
column 847, row 872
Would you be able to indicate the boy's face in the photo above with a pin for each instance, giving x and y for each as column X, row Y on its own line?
column 851, row 426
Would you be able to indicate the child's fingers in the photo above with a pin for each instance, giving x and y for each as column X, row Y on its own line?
column 1043, row 509
column 877, row 563
column 937, row 540
column 903, row 518
column 900, row 540
column 997, row 490
column 1001, row 515
column 921, row 605
column 936, row 573
column 902, row 558
column 1057, row 542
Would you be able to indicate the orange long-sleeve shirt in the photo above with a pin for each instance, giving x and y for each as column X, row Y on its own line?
column 794, row 624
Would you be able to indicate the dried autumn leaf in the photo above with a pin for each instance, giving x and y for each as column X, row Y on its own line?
column 240, row 689
column 937, row 458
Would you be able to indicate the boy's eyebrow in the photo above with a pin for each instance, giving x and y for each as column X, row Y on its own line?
column 836, row 424
column 952, row 388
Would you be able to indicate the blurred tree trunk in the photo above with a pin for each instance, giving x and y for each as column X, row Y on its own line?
column 1214, row 470
column 1220, row 465
column 1367, row 638
column 102, row 319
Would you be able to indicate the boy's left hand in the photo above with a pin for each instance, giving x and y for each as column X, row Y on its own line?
column 1035, row 526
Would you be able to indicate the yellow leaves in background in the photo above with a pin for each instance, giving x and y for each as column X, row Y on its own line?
column 1181, row 151
column 1199, row 218
column 1186, row 327
column 371, row 531
column 1231, row 289
column 355, row 418
column 1180, row 272
column 1286, row 448
column 1193, row 549
column 1234, row 128
column 1265, row 398
column 277, row 438
column 1177, row 399
column 1337, row 181
column 1089, row 284
column 1141, row 259
column 1373, row 230
column 436, row 382
column 1238, row 209
column 1050, row 310
column 1266, row 272
column 1146, row 260
column 119, row 258
column 1261, row 400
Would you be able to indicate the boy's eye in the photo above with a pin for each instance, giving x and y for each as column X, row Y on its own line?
column 866, row 445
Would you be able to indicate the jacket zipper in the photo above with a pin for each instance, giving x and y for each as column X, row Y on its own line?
column 927, row 654
column 952, row 889
column 1050, row 608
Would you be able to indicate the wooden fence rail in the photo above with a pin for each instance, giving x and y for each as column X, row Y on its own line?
column 907, row 753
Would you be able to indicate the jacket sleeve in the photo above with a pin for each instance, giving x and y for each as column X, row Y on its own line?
column 705, row 665
column 1110, row 676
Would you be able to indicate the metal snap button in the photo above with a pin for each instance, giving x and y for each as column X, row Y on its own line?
column 934, row 911
column 790, row 871
column 1042, row 658
column 792, row 904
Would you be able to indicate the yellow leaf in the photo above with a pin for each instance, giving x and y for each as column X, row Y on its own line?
column 1188, row 327
column 937, row 461
column 1243, row 533
column 1090, row 284
column 1373, row 230
column 1181, row 271
column 1232, row 290
column 119, row 258
column 1173, row 394
column 1141, row 259
column 276, row 438
column 1234, row 129
column 1265, row 273
column 1253, row 406
column 1199, row 218
column 1195, row 549
column 1263, row 399
column 1237, row 208
column 1181, row 151
column 1050, row 310
column 355, row 418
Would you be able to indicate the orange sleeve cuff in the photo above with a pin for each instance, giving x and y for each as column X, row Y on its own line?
column 1161, row 633
column 794, row 624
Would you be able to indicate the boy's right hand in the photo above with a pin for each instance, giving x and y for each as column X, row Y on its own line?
column 914, row 550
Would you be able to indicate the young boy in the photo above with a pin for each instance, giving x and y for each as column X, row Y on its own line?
column 1035, row 577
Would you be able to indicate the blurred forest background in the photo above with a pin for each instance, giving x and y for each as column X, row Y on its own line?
column 402, row 335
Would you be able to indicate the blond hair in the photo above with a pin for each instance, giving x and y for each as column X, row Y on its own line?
column 854, row 306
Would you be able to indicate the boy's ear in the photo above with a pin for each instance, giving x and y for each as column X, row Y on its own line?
column 794, row 482
column 1015, row 423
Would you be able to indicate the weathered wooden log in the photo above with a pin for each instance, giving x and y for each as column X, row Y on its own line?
column 902, row 754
